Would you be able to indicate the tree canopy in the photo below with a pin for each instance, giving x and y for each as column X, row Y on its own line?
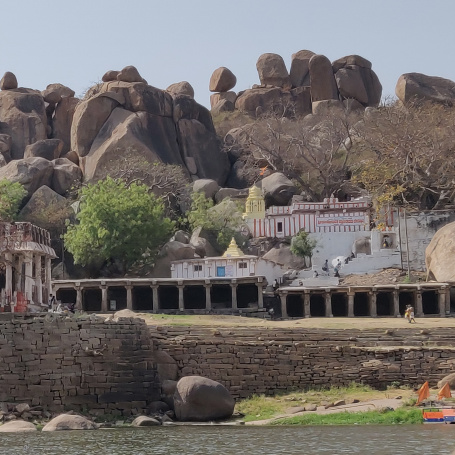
column 119, row 223
column 224, row 218
column 11, row 195
column 302, row 246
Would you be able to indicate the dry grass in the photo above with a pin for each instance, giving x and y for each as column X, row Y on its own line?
column 310, row 323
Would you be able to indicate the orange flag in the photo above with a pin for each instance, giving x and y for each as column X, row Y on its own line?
column 263, row 169
column 444, row 392
column 423, row 393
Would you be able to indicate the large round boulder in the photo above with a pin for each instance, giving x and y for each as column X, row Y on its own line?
column 273, row 71
column 144, row 421
column 17, row 426
column 450, row 379
column 277, row 189
column 70, row 422
column 30, row 172
column 62, row 120
column 201, row 399
column 181, row 88
column 8, row 81
column 222, row 80
column 129, row 74
column 65, row 175
column 207, row 186
column 55, row 92
column 48, row 149
column 440, row 254
column 417, row 86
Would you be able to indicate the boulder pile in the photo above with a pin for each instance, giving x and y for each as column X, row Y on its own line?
column 312, row 83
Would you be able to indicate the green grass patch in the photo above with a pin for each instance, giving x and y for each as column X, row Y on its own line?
column 399, row 416
column 261, row 407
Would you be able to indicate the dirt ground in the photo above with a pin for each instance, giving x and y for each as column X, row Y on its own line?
column 386, row 276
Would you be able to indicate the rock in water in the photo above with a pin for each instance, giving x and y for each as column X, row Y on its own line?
column 70, row 422
column 201, row 399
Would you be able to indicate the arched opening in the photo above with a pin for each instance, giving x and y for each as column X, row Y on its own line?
column 91, row 299
column 168, row 297
column 384, row 303
column 317, row 305
column 66, row 296
column 405, row 298
column 142, row 298
column 116, row 298
column 294, row 306
column 339, row 304
column 430, row 302
column 361, row 304
column 194, row 297
column 221, row 296
column 247, row 295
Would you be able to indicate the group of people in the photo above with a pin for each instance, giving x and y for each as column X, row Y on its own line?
column 56, row 307
column 325, row 269
column 409, row 314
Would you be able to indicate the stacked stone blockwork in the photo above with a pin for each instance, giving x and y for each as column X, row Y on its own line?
column 81, row 364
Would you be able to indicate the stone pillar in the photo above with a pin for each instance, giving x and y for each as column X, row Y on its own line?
column 79, row 298
column 9, row 286
column 260, row 295
column 284, row 310
column 372, row 303
column 306, row 304
column 208, row 296
column 234, row 295
column 129, row 296
column 328, row 304
column 155, row 297
column 442, row 302
column 396, row 304
column 17, row 284
column 104, row 307
column 181, row 300
column 448, row 300
column 418, row 307
column 38, row 280
column 28, row 281
column 48, row 279
column 351, row 296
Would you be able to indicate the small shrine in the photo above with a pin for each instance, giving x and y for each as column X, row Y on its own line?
column 25, row 267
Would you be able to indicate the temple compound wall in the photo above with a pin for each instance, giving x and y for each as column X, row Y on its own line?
column 80, row 364
column 252, row 360
column 25, row 267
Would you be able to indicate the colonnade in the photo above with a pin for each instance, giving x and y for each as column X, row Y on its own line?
column 157, row 293
column 302, row 297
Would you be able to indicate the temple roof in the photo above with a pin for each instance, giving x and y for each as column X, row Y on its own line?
column 233, row 250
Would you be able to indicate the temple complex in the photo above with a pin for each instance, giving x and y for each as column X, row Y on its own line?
column 25, row 267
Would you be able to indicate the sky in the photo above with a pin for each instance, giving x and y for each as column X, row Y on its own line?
column 76, row 42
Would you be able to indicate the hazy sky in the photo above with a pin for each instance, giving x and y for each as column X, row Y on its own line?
column 76, row 42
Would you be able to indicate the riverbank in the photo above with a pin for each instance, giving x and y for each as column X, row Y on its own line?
column 355, row 404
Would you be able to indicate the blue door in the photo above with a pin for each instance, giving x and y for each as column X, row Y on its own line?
column 221, row 271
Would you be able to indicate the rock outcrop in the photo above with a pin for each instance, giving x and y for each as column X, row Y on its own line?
column 201, row 399
column 17, row 426
column 419, row 87
column 440, row 255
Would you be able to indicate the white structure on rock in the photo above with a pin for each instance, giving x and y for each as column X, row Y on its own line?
column 233, row 264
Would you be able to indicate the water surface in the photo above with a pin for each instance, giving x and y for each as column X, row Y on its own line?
column 238, row 440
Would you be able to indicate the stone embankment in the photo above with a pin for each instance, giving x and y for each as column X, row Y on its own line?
column 88, row 364
column 254, row 360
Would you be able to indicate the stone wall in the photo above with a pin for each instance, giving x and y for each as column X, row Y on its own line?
column 84, row 364
column 251, row 360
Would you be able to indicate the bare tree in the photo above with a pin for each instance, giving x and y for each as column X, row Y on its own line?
column 314, row 151
column 407, row 154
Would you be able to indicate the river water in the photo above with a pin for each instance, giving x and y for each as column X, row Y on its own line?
column 237, row 440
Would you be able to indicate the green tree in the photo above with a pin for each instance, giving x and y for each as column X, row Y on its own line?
column 117, row 223
column 225, row 218
column 302, row 246
column 11, row 195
